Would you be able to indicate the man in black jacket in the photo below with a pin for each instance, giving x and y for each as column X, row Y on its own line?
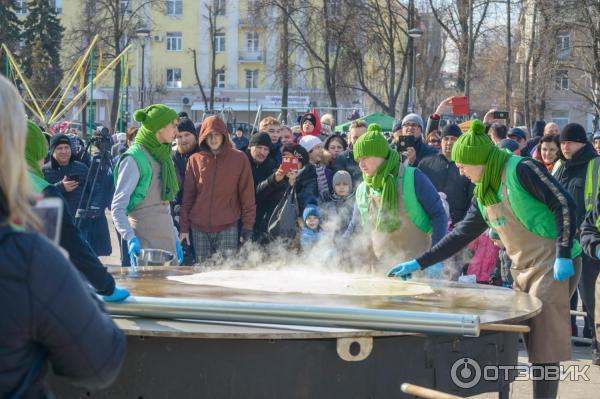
column 445, row 176
column 412, row 125
column 270, row 183
column 187, row 145
column 345, row 160
column 577, row 153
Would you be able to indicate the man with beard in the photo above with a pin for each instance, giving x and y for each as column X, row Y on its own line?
column 187, row 145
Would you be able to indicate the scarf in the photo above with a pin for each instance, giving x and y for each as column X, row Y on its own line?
column 384, row 181
column 322, row 183
column 161, row 154
column 486, row 190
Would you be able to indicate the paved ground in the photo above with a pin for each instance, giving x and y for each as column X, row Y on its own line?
column 520, row 389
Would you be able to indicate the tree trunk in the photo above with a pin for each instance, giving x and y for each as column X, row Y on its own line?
column 508, row 88
column 284, row 66
column 470, row 47
column 526, row 95
column 198, row 81
column 411, row 58
column 116, row 99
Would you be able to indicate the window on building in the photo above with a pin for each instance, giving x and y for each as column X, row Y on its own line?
column 174, row 7
column 174, row 41
column 220, row 42
column 125, row 7
column 251, row 78
column 561, row 80
column 219, row 6
column 563, row 45
column 334, row 8
column 21, row 7
column 58, row 7
column 561, row 118
column 252, row 42
column 174, row 78
column 221, row 79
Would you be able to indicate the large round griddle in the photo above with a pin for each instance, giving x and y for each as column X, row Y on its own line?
column 491, row 304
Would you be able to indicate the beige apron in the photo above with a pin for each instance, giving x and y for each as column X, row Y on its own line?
column 401, row 245
column 151, row 220
column 532, row 268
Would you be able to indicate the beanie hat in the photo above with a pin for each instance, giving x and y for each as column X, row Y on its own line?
column 451, row 130
column 57, row 140
column 573, row 132
column 183, row 114
column 311, row 210
column 186, row 125
column 342, row 177
column 371, row 144
column 517, row 131
column 154, row 117
column 596, row 135
column 473, row 147
column 309, row 117
column 508, row 144
column 298, row 151
column 414, row 118
column 310, row 142
column 261, row 139
column 36, row 148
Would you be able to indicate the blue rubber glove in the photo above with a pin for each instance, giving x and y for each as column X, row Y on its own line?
column 134, row 249
column 179, row 251
column 118, row 295
column 563, row 269
column 404, row 270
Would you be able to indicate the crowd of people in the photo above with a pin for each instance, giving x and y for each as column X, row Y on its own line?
column 496, row 203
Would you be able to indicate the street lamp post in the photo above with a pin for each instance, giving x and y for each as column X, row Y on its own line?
column 413, row 33
column 143, row 34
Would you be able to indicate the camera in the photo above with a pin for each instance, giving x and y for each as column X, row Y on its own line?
column 101, row 139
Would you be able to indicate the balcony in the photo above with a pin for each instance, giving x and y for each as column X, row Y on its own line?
column 254, row 57
column 252, row 21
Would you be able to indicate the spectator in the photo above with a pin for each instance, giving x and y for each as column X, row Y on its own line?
column 596, row 141
column 306, row 181
column 311, row 231
column 272, row 127
column 510, row 145
column 67, row 174
column 131, row 133
column 240, row 142
column 497, row 132
column 310, row 124
column 186, row 139
column 517, row 134
column 218, row 195
column 577, row 154
column 270, row 183
column 327, row 125
column 146, row 183
column 446, row 177
column 398, row 204
column 345, row 160
column 120, row 146
column 334, row 145
column 434, row 140
column 49, row 317
column 342, row 202
column 412, row 125
column 551, row 128
column 314, row 147
column 287, row 136
column 548, row 151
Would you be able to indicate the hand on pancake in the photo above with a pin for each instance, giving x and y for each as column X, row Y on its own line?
column 134, row 249
column 404, row 270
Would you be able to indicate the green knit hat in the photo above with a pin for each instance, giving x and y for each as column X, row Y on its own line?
column 156, row 116
column 36, row 147
column 473, row 147
column 371, row 144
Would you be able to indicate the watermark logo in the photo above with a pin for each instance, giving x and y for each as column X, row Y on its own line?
column 466, row 373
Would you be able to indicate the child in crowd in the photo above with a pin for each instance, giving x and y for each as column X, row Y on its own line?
column 311, row 232
column 340, row 208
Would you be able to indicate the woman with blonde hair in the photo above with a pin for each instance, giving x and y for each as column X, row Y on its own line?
column 48, row 315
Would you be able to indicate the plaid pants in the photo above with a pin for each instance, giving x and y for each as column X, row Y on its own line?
column 223, row 244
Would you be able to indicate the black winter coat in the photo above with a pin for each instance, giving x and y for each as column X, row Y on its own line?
column 423, row 151
column 446, row 178
column 345, row 161
column 571, row 175
column 49, row 316
column 54, row 174
column 306, row 186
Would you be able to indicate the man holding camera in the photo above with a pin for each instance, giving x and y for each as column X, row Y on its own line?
column 408, row 137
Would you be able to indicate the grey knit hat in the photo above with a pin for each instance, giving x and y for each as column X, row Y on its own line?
column 414, row 118
column 342, row 177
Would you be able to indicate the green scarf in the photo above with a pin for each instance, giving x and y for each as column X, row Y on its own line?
column 384, row 181
column 486, row 190
column 162, row 154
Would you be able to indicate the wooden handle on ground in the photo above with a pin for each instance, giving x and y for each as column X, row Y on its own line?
column 516, row 328
column 425, row 393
